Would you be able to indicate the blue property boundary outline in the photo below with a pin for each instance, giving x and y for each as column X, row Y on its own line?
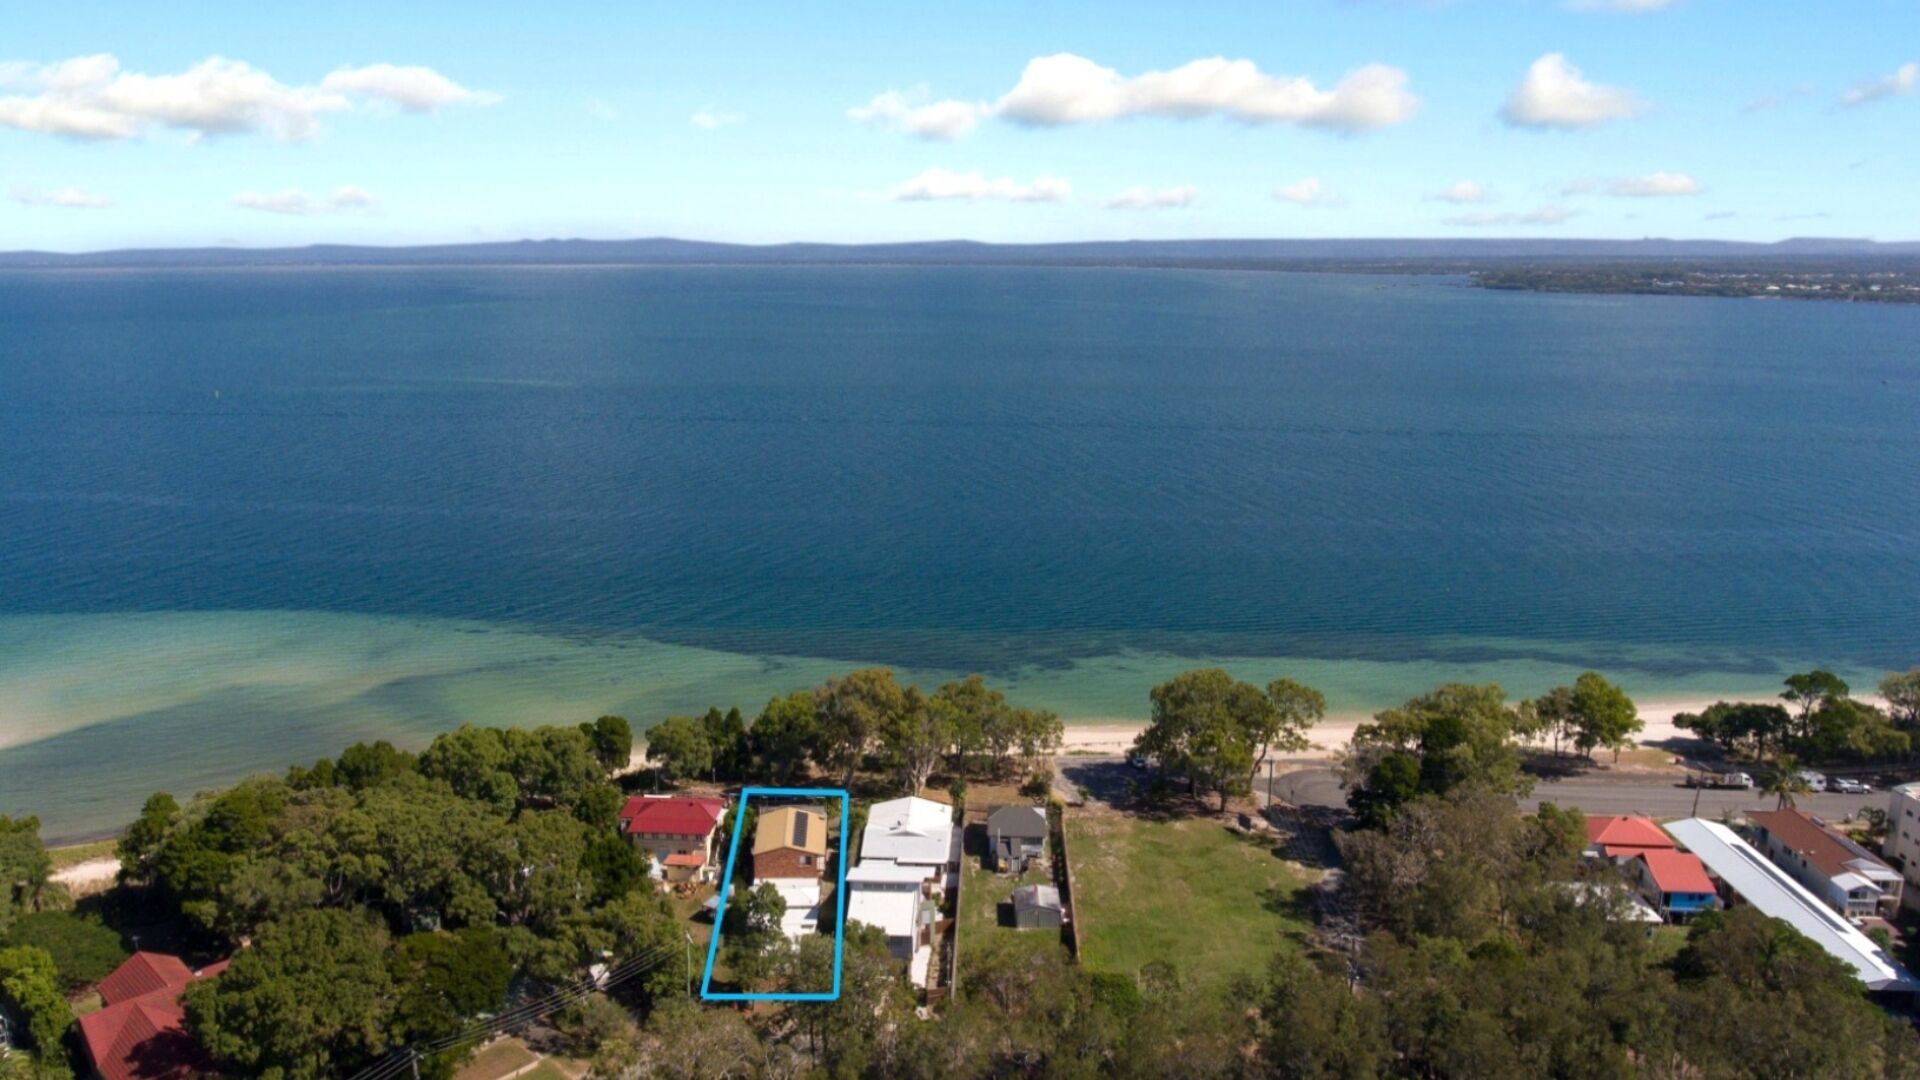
column 707, row 993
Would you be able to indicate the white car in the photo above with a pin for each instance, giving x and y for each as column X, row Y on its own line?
column 1847, row 785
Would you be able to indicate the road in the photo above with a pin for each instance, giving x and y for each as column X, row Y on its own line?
column 1652, row 796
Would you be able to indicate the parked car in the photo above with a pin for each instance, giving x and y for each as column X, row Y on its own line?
column 1138, row 761
column 1814, row 781
column 1719, row 780
column 1847, row 785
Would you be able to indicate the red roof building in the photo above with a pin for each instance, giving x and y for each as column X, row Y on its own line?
column 677, row 831
column 1622, row 836
column 141, row 1034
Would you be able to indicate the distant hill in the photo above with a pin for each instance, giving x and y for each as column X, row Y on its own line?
column 1412, row 253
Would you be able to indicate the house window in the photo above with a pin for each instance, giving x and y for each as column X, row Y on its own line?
column 806, row 860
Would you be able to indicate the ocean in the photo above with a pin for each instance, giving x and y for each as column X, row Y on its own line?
column 248, row 517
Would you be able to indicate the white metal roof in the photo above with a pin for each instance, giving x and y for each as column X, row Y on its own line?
column 802, row 896
column 909, row 830
column 892, row 912
column 1768, row 888
column 879, row 871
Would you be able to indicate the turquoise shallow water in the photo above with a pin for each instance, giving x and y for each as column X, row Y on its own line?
column 246, row 518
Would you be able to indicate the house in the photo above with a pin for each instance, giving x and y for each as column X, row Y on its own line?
column 1016, row 835
column 678, row 831
column 1673, row 882
column 906, row 852
column 141, row 1032
column 1902, row 848
column 1619, row 837
column 789, row 842
column 789, row 849
column 1845, row 876
column 909, row 832
column 1751, row 878
column 1037, row 907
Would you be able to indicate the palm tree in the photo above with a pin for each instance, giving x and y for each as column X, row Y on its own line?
column 1785, row 781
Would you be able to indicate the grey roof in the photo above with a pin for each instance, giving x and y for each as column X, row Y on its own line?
column 1018, row 821
column 1768, row 888
column 1036, row 896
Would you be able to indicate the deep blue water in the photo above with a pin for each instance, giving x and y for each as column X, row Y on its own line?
column 967, row 467
column 973, row 468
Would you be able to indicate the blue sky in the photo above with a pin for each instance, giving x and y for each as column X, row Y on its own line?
column 236, row 123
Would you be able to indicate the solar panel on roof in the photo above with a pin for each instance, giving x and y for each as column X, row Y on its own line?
column 800, row 830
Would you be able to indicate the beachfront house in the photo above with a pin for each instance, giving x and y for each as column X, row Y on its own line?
column 678, row 832
column 907, row 852
column 1903, row 837
column 1619, row 837
column 1844, row 875
column 1016, row 835
column 789, row 850
column 141, row 1033
column 1673, row 882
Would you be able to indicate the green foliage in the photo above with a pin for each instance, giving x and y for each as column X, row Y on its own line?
column 1745, row 726
column 678, row 748
column 914, row 737
column 311, row 998
column 24, row 867
column 611, row 740
column 30, row 990
column 849, row 713
column 141, row 844
column 684, row 1040
column 514, row 768
column 1211, row 728
column 1455, row 737
column 732, row 751
column 442, row 980
column 83, row 950
column 1902, row 693
column 1603, row 715
column 783, row 736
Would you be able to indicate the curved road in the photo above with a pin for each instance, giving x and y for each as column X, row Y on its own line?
column 1651, row 796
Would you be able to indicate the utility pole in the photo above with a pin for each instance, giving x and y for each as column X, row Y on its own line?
column 688, row 934
column 413, row 1059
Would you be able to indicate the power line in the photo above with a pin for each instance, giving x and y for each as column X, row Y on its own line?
column 399, row 1061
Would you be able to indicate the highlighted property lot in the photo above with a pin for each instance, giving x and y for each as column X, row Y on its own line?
column 707, row 993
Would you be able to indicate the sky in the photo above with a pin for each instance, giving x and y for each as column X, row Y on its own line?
column 226, row 123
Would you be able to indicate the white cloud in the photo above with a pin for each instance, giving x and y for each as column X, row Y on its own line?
column 1898, row 84
column 911, row 113
column 297, row 203
column 91, row 97
column 1140, row 198
column 1461, row 192
column 939, row 183
column 1555, row 94
column 711, row 119
column 1631, row 6
column 414, row 89
column 1654, row 185
column 1308, row 191
column 1069, row 89
column 1545, row 215
column 72, row 198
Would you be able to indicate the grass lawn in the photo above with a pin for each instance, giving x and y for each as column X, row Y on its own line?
column 497, row 1060
column 982, row 892
column 1211, row 902
column 75, row 854
column 546, row 1070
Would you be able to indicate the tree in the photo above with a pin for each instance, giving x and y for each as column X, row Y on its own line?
column 1784, row 781
column 1809, row 690
column 1554, row 714
column 442, row 980
column 1460, row 735
column 782, row 736
column 849, row 712
column 679, row 748
column 611, row 739
column 914, row 738
column 30, row 990
column 1209, row 726
column 140, row 845
column 24, row 867
column 1902, row 693
column 684, row 1040
column 982, row 722
column 727, row 736
column 83, row 950
column 1732, row 725
column 1319, row 1028
column 312, row 998
column 1296, row 708
column 1392, row 781
column 1604, row 715
column 365, row 765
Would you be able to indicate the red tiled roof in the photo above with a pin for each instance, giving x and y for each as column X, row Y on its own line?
column 144, row 1037
column 143, row 973
column 1676, row 871
column 677, row 815
column 1624, row 834
column 686, row 858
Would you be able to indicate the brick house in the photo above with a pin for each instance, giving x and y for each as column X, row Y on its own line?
column 141, row 1033
column 789, row 842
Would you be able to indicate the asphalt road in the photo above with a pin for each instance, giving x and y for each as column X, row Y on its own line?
column 1652, row 796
